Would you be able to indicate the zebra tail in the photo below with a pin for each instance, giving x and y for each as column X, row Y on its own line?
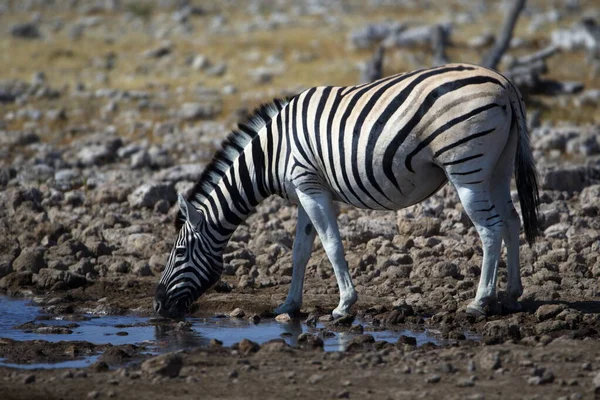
column 526, row 176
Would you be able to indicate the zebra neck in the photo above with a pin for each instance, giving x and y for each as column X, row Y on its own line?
column 246, row 183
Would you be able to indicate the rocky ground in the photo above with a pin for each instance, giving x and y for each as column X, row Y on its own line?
column 109, row 108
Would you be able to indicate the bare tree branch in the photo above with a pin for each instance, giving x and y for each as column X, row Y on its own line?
column 492, row 59
column 373, row 69
column 439, row 37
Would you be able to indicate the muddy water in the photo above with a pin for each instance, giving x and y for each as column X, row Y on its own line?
column 131, row 329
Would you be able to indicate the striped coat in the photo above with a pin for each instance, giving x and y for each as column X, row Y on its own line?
column 384, row 145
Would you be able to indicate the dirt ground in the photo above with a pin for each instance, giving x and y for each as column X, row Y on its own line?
column 108, row 109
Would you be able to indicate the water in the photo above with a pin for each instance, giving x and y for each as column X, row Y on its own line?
column 162, row 338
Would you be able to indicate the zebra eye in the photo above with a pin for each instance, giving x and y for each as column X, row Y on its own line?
column 180, row 251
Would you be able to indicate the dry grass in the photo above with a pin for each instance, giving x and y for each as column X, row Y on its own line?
column 68, row 62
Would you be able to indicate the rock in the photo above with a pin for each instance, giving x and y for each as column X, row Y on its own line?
column 182, row 172
column 590, row 196
column 247, row 347
column 433, row 379
column 596, row 383
column 421, row 227
column 101, row 152
column 358, row 342
column 406, row 340
column 164, row 49
column 500, row 331
column 570, row 179
column 30, row 259
column 200, row 62
column 550, row 326
column 195, row 111
column 27, row 30
column 341, row 322
column 237, row 313
column 488, row 360
column 484, row 40
column 547, row 311
column 67, row 179
column 274, row 346
column 372, row 34
column 315, row 378
column 29, row 378
column 142, row 268
column 167, row 365
column 285, row 317
column 149, row 194
column 419, row 35
column 445, row 269
column 48, row 278
column 582, row 35
column 310, row 341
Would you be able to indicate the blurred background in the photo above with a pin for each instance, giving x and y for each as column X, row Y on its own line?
column 109, row 108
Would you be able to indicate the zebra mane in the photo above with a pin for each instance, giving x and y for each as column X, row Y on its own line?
column 230, row 150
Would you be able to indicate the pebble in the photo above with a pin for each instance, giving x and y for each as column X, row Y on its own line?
column 29, row 379
column 237, row 313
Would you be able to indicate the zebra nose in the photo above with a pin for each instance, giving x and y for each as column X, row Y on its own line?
column 160, row 299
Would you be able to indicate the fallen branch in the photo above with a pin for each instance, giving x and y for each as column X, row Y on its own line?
column 503, row 41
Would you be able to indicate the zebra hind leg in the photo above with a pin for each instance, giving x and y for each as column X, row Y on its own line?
column 303, row 242
column 512, row 224
column 320, row 210
column 480, row 206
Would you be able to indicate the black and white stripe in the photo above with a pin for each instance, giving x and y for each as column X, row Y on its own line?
column 383, row 145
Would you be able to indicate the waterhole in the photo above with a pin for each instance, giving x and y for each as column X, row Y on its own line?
column 159, row 338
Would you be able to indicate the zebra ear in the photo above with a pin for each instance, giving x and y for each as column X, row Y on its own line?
column 189, row 211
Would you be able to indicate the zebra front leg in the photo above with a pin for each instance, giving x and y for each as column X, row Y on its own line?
column 319, row 208
column 303, row 242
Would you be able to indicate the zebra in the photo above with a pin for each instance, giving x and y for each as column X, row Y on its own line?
column 384, row 145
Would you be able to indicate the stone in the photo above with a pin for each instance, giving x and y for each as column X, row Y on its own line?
column 374, row 33
column 489, row 360
column 570, row 179
column 406, row 340
column 596, row 383
column 548, row 311
column 500, row 331
column 27, row 30
column 248, row 346
column 274, row 346
column 148, row 194
column 550, row 326
column 142, row 268
column 196, row 111
column 285, row 317
column 433, row 379
column 315, row 378
column 29, row 378
column 167, row 365
column 165, row 48
column 30, row 259
column 47, row 279
column 237, row 313
column 421, row 227
column 310, row 341
column 67, row 179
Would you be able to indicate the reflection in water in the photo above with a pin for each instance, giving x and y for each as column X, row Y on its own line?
column 164, row 336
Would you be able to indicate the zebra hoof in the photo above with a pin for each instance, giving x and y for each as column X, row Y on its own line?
column 287, row 308
column 475, row 310
column 339, row 313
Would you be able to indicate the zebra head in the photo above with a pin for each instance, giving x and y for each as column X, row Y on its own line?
column 191, row 268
